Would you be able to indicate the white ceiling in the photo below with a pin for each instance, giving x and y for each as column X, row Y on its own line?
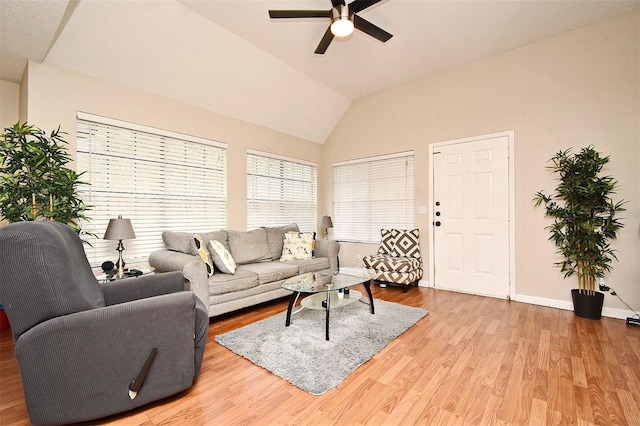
column 231, row 58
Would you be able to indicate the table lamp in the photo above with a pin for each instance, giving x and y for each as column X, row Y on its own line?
column 119, row 229
column 326, row 223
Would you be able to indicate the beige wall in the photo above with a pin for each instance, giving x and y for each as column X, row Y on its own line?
column 572, row 90
column 56, row 93
column 9, row 103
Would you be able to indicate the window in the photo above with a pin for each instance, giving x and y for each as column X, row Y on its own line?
column 370, row 194
column 280, row 191
column 160, row 180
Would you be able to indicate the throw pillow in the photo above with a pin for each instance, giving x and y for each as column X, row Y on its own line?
column 407, row 244
column 222, row 258
column 204, row 254
column 298, row 246
column 387, row 241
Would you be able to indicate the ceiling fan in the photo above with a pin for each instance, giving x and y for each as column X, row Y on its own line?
column 343, row 20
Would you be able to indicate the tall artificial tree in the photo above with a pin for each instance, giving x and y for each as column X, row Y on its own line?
column 35, row 183
column 584, row 215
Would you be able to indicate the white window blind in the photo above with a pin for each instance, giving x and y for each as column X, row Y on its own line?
column 280, row 191
column 371, row 194
column 160, row 180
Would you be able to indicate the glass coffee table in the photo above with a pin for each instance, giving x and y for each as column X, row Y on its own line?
column 328, row 288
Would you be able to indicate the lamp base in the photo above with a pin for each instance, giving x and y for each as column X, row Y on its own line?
column 120, row 270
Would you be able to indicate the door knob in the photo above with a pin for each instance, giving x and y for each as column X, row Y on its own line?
column 437, row 213
column 438, row 223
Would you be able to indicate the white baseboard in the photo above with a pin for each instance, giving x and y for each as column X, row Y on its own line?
column 423, row 283
column 568, row 306
column 559, row 304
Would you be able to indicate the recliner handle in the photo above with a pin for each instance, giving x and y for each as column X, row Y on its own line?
column 136, row 384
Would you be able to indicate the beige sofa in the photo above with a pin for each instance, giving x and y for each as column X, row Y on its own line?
column 259, row 274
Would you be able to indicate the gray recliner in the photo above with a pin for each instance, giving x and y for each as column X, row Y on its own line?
column 81, row 346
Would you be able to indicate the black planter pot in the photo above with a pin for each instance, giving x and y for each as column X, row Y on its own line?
column 587, row 306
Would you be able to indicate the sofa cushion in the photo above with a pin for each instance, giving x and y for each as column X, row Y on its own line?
column 298, row 246
column 227, row 283
column 275, row 238
column 271, row 271
column 220, row 235
column 183, row 241
column 249, row 247
column 310, row 265
column 222, row 258
column 180, row 241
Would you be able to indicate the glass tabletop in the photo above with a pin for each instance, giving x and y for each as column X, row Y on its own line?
column 328, row 280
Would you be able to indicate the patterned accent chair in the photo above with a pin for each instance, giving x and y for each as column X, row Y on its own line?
column 398, row 261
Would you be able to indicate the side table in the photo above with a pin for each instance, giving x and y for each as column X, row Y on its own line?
column 112, row 276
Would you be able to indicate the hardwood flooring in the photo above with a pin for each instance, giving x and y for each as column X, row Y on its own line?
column 473, row 360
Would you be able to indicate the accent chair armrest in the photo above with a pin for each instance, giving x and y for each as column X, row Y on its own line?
column 128, row 289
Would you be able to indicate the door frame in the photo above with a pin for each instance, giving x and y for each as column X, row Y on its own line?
column 510, row 134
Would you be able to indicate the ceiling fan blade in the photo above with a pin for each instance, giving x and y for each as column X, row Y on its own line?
column 373, row 30
column 360, row 5
column 324, row 43
column 278, row 14
column 337, row 3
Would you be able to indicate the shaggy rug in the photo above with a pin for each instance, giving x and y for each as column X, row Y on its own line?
column 301, row 355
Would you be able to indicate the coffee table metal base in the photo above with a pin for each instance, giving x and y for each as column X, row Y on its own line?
column 327, row 307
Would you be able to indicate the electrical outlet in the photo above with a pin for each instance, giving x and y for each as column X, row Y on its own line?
column 603, row 285
column 358, row 258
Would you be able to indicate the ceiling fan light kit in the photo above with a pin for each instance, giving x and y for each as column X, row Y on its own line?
column 344, row 20
column 341, row 26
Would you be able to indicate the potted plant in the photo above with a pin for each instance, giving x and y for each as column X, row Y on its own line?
column 35, row 183
column 584, row 223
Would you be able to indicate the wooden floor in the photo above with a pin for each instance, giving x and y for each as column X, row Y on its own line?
column 473, row 360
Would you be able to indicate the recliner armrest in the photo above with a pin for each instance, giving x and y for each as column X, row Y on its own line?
column 82, row 363
column 128, row 289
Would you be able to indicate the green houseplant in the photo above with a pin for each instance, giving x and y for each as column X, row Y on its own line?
column 35, row 183
column 584, row 223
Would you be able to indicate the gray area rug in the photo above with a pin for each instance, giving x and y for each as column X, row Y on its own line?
column 301, row 355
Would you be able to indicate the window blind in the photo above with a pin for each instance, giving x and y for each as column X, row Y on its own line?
column 281, row 191
column 160, row 180
column 371, row 194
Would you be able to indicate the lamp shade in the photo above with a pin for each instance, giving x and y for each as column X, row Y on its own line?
column 119, row 229
column 326, row 222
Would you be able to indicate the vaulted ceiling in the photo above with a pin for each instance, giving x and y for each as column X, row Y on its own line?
column 231, row 58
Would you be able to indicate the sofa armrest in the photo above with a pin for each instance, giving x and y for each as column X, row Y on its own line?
column 330, row 249
column 165, row 260
column 195, row 272
column 125, row 290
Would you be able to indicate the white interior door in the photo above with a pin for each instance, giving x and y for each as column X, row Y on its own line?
column 471, row 216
